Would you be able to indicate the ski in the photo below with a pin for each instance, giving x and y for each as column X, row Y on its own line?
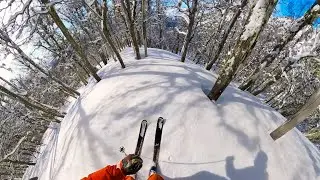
column 157, row 143
column 142, row 133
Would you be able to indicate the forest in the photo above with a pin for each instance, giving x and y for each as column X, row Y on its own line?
column 51, row 48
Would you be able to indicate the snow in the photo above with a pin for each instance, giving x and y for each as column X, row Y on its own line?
column 256, row 19
column 53, row 2
column 174, row 12
column 180, row 32
column 316, row 8
column 226, row 140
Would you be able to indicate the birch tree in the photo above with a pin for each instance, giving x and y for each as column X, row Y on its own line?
column 311, row 105
column 255, row 24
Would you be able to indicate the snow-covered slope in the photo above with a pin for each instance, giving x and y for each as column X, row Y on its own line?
column 228, row 139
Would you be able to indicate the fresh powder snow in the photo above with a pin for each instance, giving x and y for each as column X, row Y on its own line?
column 256, row 19
column 224, row 140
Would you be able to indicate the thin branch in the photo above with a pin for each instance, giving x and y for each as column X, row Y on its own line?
column 5, row 157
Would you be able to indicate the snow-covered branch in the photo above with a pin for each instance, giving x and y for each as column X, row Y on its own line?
column 5, row 157
column 180, row 32
column 21, row 12
column 53, row 2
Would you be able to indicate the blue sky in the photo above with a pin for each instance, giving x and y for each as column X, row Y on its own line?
column 293, row 8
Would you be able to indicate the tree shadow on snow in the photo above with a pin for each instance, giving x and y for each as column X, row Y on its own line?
column 256, row 172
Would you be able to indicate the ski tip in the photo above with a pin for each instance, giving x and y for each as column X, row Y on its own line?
column 144, row 122
column 161, row 120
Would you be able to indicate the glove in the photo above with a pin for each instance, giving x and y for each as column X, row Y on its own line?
column 131, row 164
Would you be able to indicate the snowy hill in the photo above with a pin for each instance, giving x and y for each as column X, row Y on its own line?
column 226, row 140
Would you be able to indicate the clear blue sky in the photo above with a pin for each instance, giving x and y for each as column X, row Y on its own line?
column 294, row 8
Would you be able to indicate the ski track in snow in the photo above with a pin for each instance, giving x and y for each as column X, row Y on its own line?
column 226, row 140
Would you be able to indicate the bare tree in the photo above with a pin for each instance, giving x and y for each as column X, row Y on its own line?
column 159, row 17
column 66, row 33
column 307, row 19
column 7, row 41
column 279, row 72
column 226, row 34
column 311, row 105
column 144, row 27
column 192, row 10
column 107, row 35
column 256, row 22
column 126, row 5
column 29, row 103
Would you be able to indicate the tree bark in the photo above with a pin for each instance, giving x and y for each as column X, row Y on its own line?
column 31, row 104
column 20, row 162
column 9, row 83
column 274, row 96
column 187, row 39
column 311, row 105
column 226, row 34
column 307, row 19
column 159, row 17
column 176, row 49
column 103, row 58
column 144, row 27
column 25, row 57
column 127, row 10
column 257, row 20
column 106, row 34
column 71, row 40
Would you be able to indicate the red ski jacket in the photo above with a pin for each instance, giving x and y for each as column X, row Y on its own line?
column 114, row 173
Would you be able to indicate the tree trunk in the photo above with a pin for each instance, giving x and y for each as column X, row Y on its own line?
column 187, row 39
column 176, row 49
column 106, row 34
column 103, row 58
column 71, row 40
column 9, row 83
column 158, row 4
column 214, row 36
column 80, row 76
column 226, row 34
column 311, row 105
column 130, row 21
column 307, row 19
column 144, row 27
column 257, row 20
column 274, row 96
column 20, row 162
column 29, row 60
column 81, row 66
column 31, row 104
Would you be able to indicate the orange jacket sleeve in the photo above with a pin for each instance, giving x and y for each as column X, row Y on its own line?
column 107, row 173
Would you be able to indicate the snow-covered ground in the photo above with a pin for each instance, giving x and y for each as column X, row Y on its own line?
column 225, row 140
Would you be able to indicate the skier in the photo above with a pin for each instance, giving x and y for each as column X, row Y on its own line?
column 124, row 170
